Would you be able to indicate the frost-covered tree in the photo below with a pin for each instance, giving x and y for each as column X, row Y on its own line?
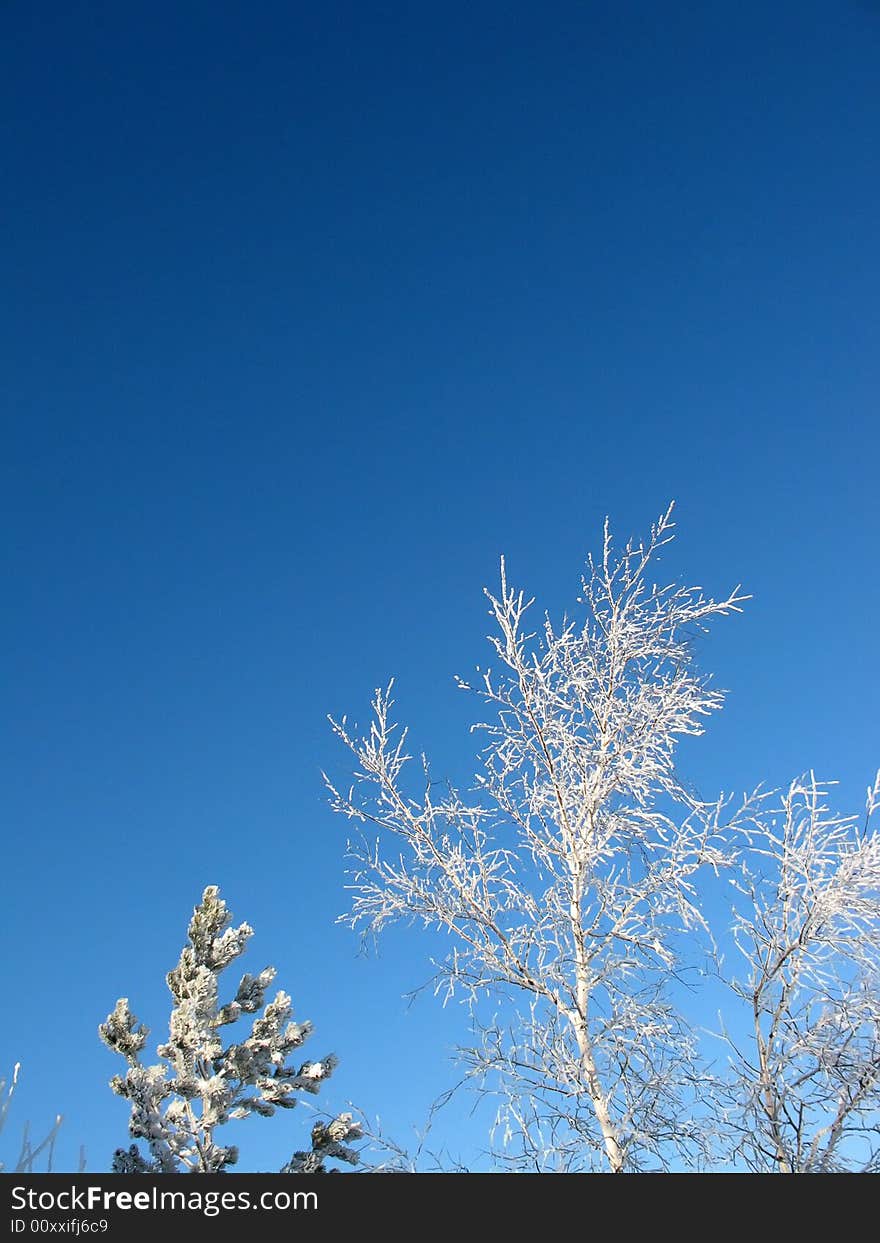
column 28, row 1151
column 178, row 1104
column 566, row 878
column 804, row 1090
column 569, row 882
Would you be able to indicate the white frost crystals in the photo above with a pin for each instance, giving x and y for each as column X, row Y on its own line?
column 177, row 1106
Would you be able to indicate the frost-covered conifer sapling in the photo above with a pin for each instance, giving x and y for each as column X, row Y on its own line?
column 178, row 1104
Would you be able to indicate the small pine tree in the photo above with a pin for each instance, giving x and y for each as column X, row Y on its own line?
column 177, row 1113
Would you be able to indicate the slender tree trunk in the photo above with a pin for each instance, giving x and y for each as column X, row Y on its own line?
column 582, row 1035
column 768, row 1093
column 600, row 1106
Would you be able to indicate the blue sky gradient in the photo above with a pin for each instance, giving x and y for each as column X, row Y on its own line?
column 312, row 311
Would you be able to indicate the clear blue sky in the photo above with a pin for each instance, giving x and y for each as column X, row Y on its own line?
column 311, row 311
